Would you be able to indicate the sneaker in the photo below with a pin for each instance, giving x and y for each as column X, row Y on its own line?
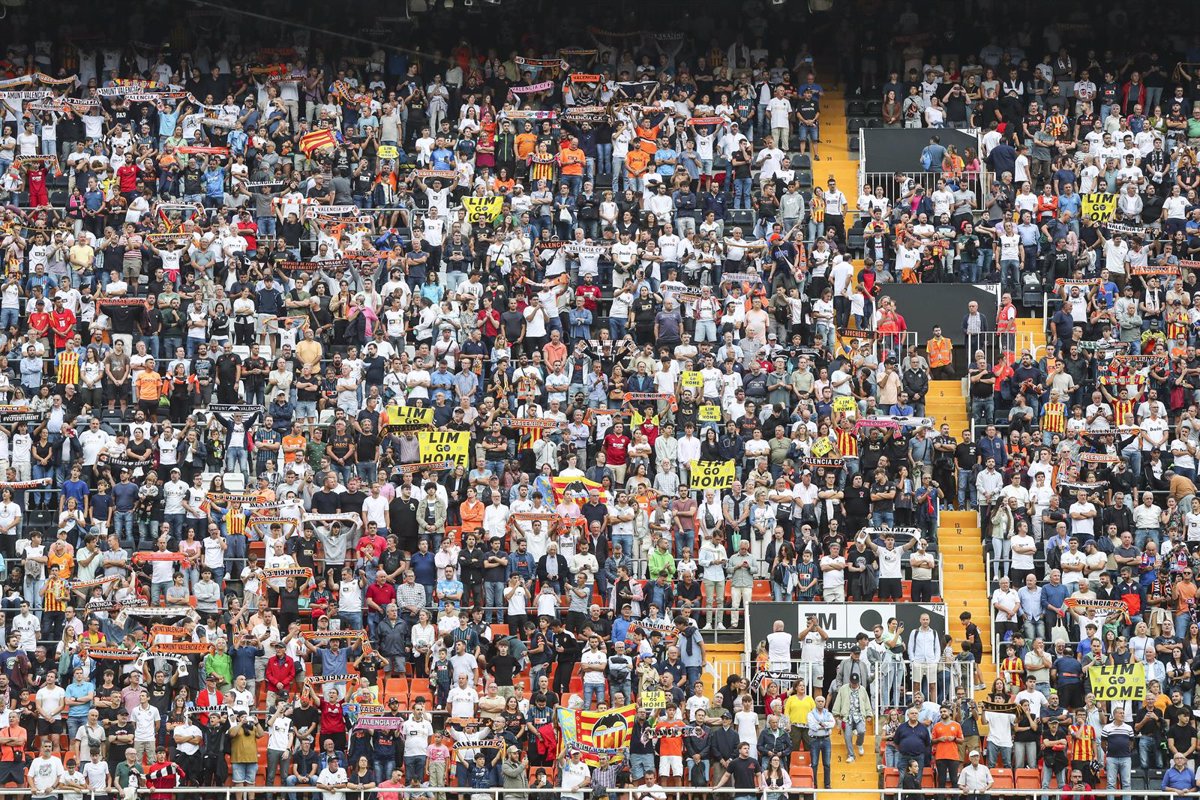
column 849, row 759
column 721, row 627
column 861, row 751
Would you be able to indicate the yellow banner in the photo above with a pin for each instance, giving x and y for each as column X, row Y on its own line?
column 482, row 209
column 1098, row 206
column 1118, row 682
column 712, row 474
column 437, row 446
column 388, row 151
column 844, row 404
column 709, row 413
column 821, row 447
column 652, row 700
column 408, row 418
column 691, row 380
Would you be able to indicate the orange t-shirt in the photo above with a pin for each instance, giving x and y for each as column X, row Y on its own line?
column 637, row 162
column 572, row 160
column 293, row 441
column 524, row 144
column 1187, row 597
column 149, row 385
column 670, row 745
column 946, row 750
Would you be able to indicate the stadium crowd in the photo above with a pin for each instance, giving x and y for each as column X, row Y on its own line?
column 249, row 289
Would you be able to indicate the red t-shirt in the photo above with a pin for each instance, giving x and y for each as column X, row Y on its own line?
column 332, row 720
column 590, row 294
column 616, row 449
column 249, row 232
column 381, row 593
column 127, row 177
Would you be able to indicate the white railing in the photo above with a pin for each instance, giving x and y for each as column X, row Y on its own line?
column 619, row 793
column 977, row 182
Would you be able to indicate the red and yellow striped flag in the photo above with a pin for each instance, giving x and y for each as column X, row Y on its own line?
column 316, row 140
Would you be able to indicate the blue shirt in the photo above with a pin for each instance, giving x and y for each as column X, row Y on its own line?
column 424, row 568
column 1054, row 595
column 1178, row 779
column 167, row 121
column 910, row 740
column 125, row 496
column 214, row 182
column 448, row 587
column 242, row 660
column 1068, row 671
column 76, row 489
column 77, row 690
column 665, row 154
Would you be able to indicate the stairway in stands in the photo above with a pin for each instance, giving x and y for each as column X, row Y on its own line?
column 836, row 159
column 964, row 576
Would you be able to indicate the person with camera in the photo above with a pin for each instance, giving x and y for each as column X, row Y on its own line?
column 244, row 733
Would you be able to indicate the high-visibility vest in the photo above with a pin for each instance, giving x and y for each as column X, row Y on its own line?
column 939, row 349
column 1005, row 324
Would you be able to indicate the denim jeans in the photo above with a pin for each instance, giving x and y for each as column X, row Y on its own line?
column 1059, row 775
column 1149, row 753
column 592, row 691
column 292, row 780
column 167, row 347
column 983, row 409
column 741, row 192
column 820, row 750
column 414, row 768
column 966, row 488
column 237, row 460
column 882, row 518
column 1001, row 552
column 1182, row 621
column 383, row 768
column 626, row 542
column 995, row 752
column 1142, row 535
column 176, row 521
column 1115, row 768
column 493, row 598
column 1010, row 273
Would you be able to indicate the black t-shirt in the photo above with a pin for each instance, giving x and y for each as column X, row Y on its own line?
column 304, row 550
column 745, row 773
column 227, row 364
column 351, row 502
column 512, row 322
column 807, row 110
column 503, row 668
column 305, row 717
column 966, row 455
column 325, row 502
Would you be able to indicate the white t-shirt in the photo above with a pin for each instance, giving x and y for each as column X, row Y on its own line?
column 812, row 648
column 779, row 649
column 45, row 773
column 416, row 736
column 279, row 737
column 462, row 702
column 594, row 658
column 51, row 701
column 145, row 723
